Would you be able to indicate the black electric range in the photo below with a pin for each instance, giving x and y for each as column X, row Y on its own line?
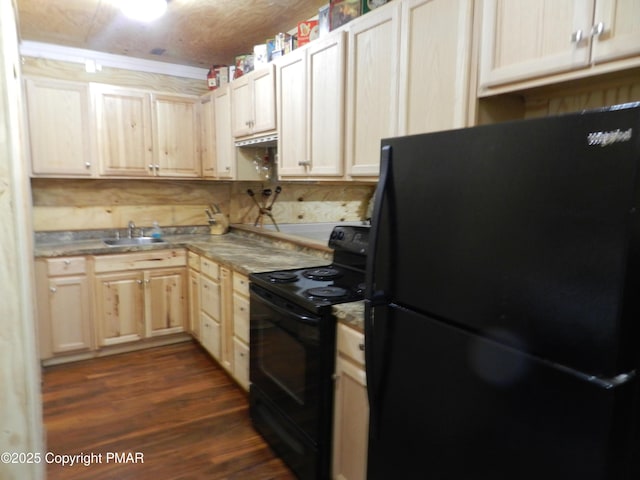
column 317, row 288
column 292, row 351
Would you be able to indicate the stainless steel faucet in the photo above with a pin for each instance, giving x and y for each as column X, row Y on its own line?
column 131, row 227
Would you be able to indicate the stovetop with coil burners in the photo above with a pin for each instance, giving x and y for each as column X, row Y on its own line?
column 317, row 288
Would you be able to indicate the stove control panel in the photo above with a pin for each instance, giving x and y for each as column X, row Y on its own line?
column 349, row 238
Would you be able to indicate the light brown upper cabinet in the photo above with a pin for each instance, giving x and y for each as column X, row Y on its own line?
column 208, row 136
column 435, row 64
column 527, row 39
column 310, row 92
column 253, row 105
column 176, row 135
column 372, row 87
column 123, row 118
column 60, row 126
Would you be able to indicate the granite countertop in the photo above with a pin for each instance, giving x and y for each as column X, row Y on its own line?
column 239, row 250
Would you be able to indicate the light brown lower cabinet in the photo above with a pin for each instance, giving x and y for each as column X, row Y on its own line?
column 351, row 407
column 63, row 295
column 140, row 295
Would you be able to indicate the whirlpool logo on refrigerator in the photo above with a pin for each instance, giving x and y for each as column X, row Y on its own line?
column 607, row 138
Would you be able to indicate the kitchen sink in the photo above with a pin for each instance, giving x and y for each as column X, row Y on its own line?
column 120, row 242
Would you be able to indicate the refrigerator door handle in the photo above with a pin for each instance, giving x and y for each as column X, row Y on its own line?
column 369, row 367
column 376, row 217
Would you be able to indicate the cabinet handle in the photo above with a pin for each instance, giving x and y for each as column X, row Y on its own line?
column 53, row 289
column 87, row 164
column 157, row 167
column 361, row 346
column 305, row 163
column 139, row 282
column 597, row 29
column 576, row 37
column 67, row 262
column 150, row 167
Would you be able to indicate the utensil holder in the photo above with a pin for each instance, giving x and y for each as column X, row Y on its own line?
column 219, row 224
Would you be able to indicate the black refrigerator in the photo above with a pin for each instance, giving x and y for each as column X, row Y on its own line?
column 502, row 311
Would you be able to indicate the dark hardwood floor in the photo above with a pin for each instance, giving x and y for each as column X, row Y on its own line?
column 172, row 406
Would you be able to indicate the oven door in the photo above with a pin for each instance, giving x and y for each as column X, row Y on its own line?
column 286, row 358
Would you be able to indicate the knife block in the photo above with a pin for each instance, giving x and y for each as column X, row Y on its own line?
column 219, row 224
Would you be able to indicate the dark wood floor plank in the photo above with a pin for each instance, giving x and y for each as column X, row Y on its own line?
column 173, row 404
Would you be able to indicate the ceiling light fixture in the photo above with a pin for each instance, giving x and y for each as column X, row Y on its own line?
column 144, row 10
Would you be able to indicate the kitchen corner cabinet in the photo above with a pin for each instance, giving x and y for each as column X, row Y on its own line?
column 435, row 65
column 225, row 148
column 208, row 136
column 351, row 407
column 63, row 306
column 176, row 135
column 59, row 117
column 525, row 39
column 253, row 103
column 310, row 84
column 140, row 295
column 372, row 87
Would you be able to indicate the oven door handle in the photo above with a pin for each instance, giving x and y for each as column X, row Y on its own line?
column 308, row 319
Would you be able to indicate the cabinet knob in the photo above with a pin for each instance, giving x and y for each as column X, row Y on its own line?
column 361, row 346
column 139, row 282
column 597, row 29
column 87, row 164
column 53, row 289
column 67, row 262
column 150, row 167
column 577, row 36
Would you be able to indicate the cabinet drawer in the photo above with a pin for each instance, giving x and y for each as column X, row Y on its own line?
column 140, row 260
column 210, row 297
column 241, row 284
column 241, row 363
column 66, row 266
column 351, row 343
column 193, row 260
column 209, row 268
column 241, row 317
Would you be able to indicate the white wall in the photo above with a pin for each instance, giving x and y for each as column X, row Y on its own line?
column 20, row 398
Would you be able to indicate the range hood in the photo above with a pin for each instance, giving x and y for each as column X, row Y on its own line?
column 270, row 140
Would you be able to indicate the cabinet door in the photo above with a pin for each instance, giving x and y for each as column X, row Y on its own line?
column 264, row 100
column 165, row 301
column 620, row 34
column 326, row 97
column 176, row 135
column 208, row 136
column 59, row 127
column 292, row 114
column 194, row 303
column 225, row 148
column 523, row 39
column 120, row 307
column 69, row 314
column 241, row 106
column 124, row 131
column 351, row 422
column 372, row 93
column 241, row 317
column 435, row 65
